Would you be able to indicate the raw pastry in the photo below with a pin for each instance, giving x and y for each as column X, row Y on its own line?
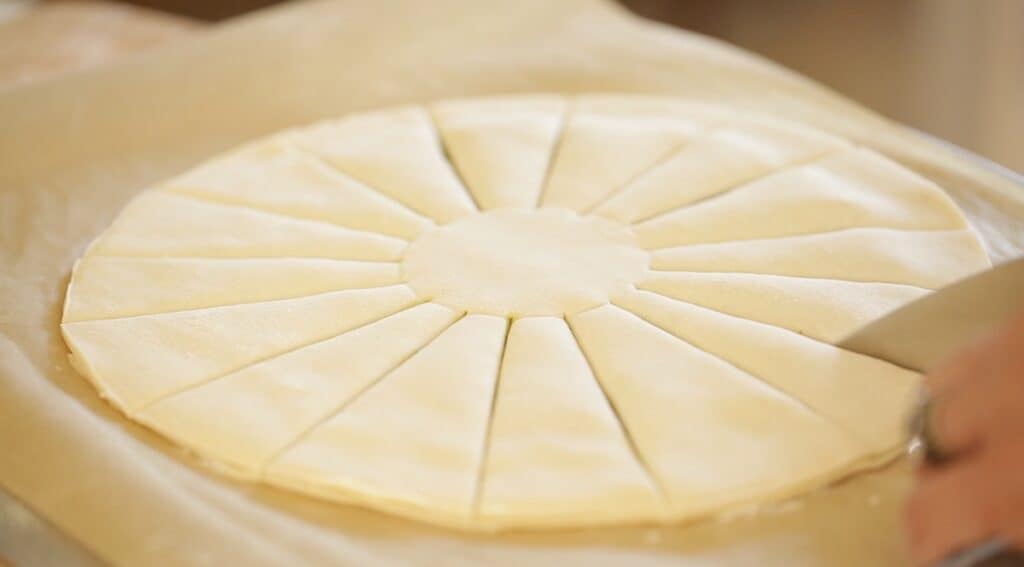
column 523, row 311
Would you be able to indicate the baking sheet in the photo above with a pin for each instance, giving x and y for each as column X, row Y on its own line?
column 73, row 151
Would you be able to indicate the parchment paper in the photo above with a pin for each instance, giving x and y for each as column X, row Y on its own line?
column 73, row 151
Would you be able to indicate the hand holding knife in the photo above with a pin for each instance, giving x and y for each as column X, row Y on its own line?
column 967, row 509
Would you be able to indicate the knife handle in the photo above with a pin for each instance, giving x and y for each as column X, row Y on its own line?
column 920, row 427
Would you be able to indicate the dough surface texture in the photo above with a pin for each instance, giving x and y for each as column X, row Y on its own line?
column 521, row 312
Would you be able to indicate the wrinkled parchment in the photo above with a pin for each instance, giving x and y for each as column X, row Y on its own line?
column 73, row 151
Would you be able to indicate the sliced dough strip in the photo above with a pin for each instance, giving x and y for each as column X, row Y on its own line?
column 489, row 428
column 556, row 150
column 501, row 148
column 164, row 224
column 359, row 393
column 218, row 340
column 396, row 152
column 788, row 395
column 116, row 287
column 781, row 170
column 552, row 414
column 859, row 393
column 654, row 166
column 270, row 357
column 446, row 152
column 244, row 417
column 752, row 273
column 414, row 438
column 923, row 258
column 238, row 204
column 611, row 141
column 715, row 435
column 634, row 448
column 825, row 309
column 273, row 175
column 853, row 188
column 721, row 159
column 338, row 172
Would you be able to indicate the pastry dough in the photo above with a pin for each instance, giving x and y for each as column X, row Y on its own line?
column 521, row 312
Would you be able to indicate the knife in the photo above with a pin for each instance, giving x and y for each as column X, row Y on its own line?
column 924, row 333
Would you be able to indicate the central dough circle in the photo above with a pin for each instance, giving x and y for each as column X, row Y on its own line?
column 525, row 262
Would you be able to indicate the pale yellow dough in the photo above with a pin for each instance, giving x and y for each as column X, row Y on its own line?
column 521, row 312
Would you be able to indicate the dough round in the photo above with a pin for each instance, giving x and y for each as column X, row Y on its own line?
column 521, row 312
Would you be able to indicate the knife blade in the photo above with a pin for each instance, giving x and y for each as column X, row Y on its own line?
column 923, row 333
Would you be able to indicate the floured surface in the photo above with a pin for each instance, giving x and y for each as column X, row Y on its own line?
column 62, row 198
column 412, row 396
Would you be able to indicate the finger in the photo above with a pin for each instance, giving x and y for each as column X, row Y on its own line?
column 1016, row 325
column 962, row 367
column 949, row 510
column 983, row 387
column 957, row 418
column 979, row 412
column 979, row 357
column 1015, row 539
column 1006, row 461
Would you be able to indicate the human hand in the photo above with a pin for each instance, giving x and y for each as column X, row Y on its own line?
column 977, row 418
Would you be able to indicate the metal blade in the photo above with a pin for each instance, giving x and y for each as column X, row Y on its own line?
column 925, row 332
